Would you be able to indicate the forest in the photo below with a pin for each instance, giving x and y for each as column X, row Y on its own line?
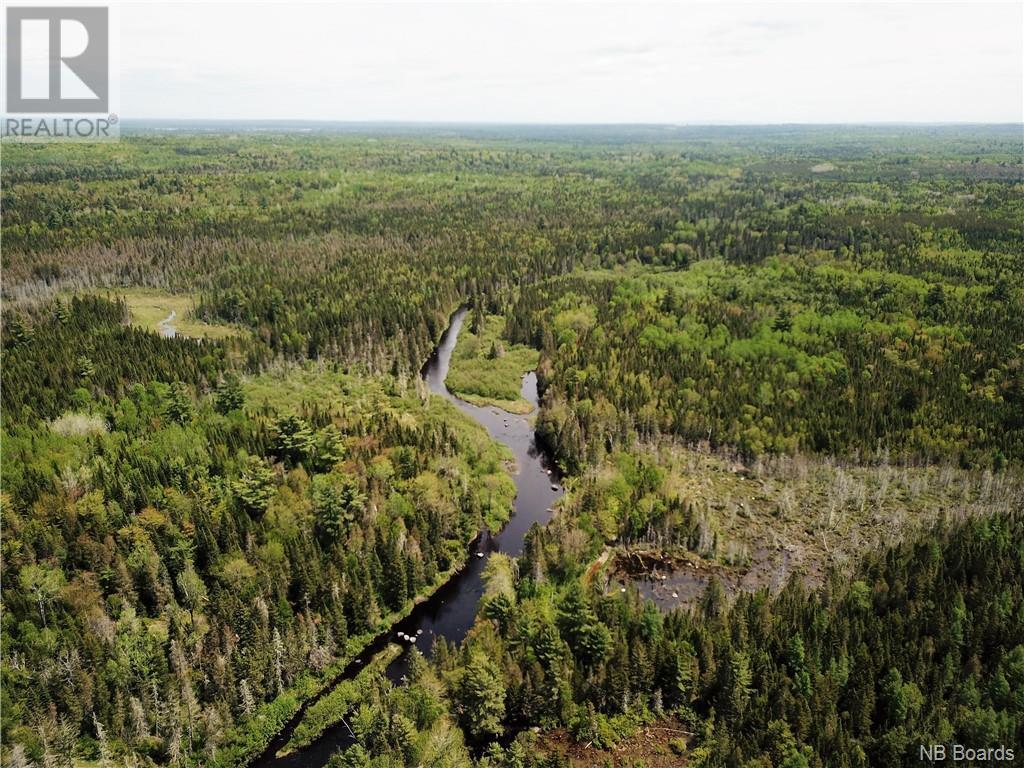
column 791, row 360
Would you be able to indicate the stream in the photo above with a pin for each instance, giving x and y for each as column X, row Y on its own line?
column 450, row 612
column 166, row 326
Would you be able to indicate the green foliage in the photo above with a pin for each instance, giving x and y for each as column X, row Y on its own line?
column 337, row 502
column 255, row 485
column 42, row 585
column 342, row 698
column 757, row 356
column 479, row 695
column 190, row 548
column 804, row 679
column 182, row 541
column 588, row 638
column 591, row 727
column 404, row 726
column 229, row 395
column 485, row 371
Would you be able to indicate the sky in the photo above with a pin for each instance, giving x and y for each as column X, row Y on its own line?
column 579, row 62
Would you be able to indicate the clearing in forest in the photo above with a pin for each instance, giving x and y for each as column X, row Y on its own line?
column 486, row 369
column 169, row 314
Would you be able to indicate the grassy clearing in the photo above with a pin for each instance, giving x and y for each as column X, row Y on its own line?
column 486, row 370
column 336, row 704
column 150, row 307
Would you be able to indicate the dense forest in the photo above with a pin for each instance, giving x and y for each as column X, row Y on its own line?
column 748, row 341
column 759, row 357
column 172, row 562
column 923, row 646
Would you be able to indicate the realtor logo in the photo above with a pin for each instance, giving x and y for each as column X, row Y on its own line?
column 58, row 60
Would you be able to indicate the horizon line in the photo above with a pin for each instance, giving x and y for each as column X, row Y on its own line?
column 660, row 124
column 140, row 124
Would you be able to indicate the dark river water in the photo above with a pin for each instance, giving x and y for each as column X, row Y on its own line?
column 450, row 612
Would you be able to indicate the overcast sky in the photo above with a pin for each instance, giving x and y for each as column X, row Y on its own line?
column 574, row 62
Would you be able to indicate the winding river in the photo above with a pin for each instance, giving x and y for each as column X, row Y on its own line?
column 450, row 612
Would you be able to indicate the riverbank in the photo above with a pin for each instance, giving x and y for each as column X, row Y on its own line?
column 485, row 501
column 332, row 707
column 451, row 610
column 271, row 721
column 486, row 370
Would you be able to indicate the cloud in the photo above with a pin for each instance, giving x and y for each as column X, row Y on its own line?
column 776, row 27
column 612, row 62
column 625, row 51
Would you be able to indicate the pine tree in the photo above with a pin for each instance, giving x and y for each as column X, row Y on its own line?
column 229, row 395
column 179, row 403
column 480, row 693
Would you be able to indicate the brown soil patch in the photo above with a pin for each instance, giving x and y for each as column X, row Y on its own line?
column 655, row 746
